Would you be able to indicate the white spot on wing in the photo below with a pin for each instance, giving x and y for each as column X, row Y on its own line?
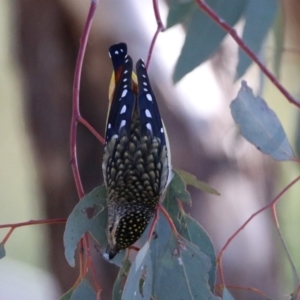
column 126, row 71
column 149, row 97
column 146, row 90
column 148, row 113
column 123, row 110
column 125, row 86
column 145, row 83
column 109, row 126
column 162, row 130
column 144, row 75
column 121, row 50
column 116, row 52
column 149, row 126
column 123, row 123
column 125, row 79
column 124, row 93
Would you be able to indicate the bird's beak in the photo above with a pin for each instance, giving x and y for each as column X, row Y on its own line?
column 111, row 252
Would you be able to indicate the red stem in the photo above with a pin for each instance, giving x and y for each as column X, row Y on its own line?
column 91, row 129
column 75, row 118
column 8, row 235
column 34, row 222
column 16, row 225
column 214, row 16
column 76, row 89
column 269, row 205
column 154, row 222
column 167, row 216
column 160, row 27
column 245, row 288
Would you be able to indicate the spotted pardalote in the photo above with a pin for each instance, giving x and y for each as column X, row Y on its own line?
column 136, row 162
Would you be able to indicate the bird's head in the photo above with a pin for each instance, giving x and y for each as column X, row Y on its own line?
column 125, row 227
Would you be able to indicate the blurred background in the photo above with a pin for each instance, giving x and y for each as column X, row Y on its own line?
column 38, row 46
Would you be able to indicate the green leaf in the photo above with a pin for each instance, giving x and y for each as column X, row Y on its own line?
column 204, row 36
column 259, row 17
column 177, row 189
column 179, row 267
column 179, row 12
column 184, row 265
column 260, row 125
column 192, row 180
column 139, row 281
column 121, row 280
column 67, row 295
column 278, row 32
column 297, row 133
column 83, row 291
column 89, row 215
column 2, row 251
column 192, row 231
column 226, row 295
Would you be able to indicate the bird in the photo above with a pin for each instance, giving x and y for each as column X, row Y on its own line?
column 136, row 161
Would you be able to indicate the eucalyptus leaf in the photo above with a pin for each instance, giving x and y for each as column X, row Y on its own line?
column 179, row 12
column 139, row 281
column 192, row 180
column 67, row 295
column 204, row 36
column 191, row 230
column 177, row 189
column 2, row 250
column 259, row 17
column 278, row 32
column 89, row 215
column 83, row 291
column 297, row 133
column 179, row 267
column 260, row 125
column 121, row 280
column 226, row 295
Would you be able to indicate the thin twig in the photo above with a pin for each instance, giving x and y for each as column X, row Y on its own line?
column 289, row 257
column 218, row 20
column 31, row 222
column 76, row 90
column 245, row 288
column 91, row 129
column 73, row 134
column 11, row 230
column 153, row 225
column 167, row 216
column 160, row 28
column 273, row 202
column 34, row 222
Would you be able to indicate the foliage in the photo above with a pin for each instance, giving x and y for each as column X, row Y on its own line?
column 184, row 259
column 204, row 36
column 179, row 256
column 260, row 125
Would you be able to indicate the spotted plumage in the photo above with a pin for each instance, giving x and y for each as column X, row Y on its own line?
column 136, row 162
